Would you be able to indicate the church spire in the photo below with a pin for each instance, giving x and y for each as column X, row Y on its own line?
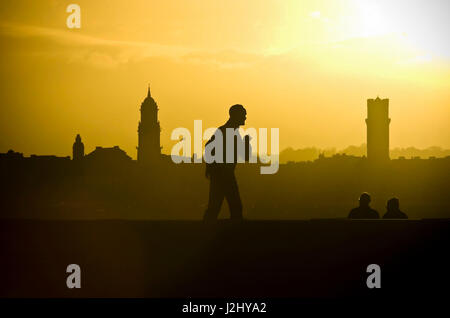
column 149, row 142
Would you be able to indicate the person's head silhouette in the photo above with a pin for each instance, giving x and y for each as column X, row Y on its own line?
column 393, row 204
column 238, row 115
column 364, row 199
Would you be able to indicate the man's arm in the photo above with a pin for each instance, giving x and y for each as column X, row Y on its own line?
column 248, row 148
column 244, row 144
column 208, row 166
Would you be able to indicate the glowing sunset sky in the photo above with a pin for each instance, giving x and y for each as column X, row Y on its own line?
column 306, row 67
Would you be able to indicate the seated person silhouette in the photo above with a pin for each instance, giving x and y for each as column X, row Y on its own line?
column 364, row 211
column 223, row 183
column 393, row 210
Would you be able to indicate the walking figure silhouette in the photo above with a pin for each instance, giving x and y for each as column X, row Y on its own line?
column 223, row 184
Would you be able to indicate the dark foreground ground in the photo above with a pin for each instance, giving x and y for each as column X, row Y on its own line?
column 324, row 259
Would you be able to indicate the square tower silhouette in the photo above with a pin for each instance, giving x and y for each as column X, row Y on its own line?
column 377, row 122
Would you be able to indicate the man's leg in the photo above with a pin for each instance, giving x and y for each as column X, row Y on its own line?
column 233, row 198
column 216, row 196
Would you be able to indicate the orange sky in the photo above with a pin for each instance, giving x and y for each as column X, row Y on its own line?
column 305, row 67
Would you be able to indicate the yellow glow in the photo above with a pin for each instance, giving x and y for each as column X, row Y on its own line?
column 306, row 67
column 414, row 20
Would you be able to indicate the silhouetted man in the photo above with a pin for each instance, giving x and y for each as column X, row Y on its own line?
column 364, row 211
column 221, row 174
column 393, row 210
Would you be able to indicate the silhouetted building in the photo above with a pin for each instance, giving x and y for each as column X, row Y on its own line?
column 78, row 149
column 149, row 148
column 48, row 158
column 378, row 129
column 11, row 155
column 110, row 155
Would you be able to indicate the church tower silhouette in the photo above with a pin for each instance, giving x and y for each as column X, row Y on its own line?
column 149, row 130
column 378, row 129
column 78, row 148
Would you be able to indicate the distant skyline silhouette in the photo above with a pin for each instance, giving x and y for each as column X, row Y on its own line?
column 149, row 146
column 107, row 182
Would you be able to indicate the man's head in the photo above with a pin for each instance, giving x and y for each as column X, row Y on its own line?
column 393, row 204
column 238, row 114
column 364, row 199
